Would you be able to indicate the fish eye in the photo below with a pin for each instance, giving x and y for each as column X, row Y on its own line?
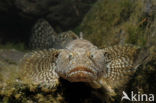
column 70, row 56
column 91, row 55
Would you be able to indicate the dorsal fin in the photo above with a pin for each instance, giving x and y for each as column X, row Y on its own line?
column 42, row 36
column 64, row 38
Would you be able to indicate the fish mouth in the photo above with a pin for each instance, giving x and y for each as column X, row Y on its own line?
column 81, row 74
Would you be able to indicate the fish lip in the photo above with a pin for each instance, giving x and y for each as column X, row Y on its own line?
column 81, row 76
column 81, row 69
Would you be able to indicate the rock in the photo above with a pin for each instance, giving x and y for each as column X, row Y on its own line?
column 105, row 25
column 11, row 56
column 112, row 22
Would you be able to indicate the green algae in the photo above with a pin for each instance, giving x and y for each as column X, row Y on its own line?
column 19, row 46
column 112, row 22
column 109, row 22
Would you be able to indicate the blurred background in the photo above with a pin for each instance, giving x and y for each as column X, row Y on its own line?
column 18, row 16
column 103, row 22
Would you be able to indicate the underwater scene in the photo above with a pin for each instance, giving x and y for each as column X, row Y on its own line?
column 77, row 51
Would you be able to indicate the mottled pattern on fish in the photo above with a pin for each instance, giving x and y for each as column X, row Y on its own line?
column 81, row 61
